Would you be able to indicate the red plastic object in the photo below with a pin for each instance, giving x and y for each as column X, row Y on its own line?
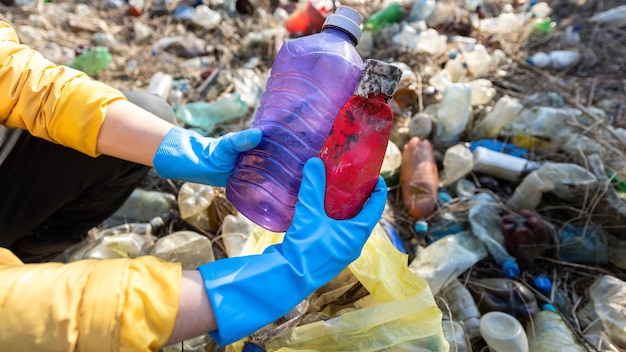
column 306, row 19
column 353, row 154
column 419, row 178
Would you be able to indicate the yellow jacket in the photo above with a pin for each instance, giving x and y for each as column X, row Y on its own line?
column 91, row 305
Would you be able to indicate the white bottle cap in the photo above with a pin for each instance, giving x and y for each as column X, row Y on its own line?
column 347, row 19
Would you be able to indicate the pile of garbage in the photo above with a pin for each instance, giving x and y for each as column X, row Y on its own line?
column 510, row 236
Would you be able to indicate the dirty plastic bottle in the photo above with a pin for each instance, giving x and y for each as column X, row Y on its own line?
column 503, row 333
column 461, row 306
column 608, row 295
column 189, row 248
column 558, row 59
column 203, row 116
column 526, row 236
column 505, row 110
column 502, row 165
column 583, row 245
column 421, row 10
column 548, row 332
column 311, row 79
column 486, row 224
column 161, row 84
column 142, row 206
column 456, row 335
column 453, row 113
column 390, row 14
column 447, row 258
column 93, row 61
column 355, row 148
column 419, row 181
column 504, row 295
column 458, row 161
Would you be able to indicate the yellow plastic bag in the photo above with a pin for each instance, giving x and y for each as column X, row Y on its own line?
column 400, row 314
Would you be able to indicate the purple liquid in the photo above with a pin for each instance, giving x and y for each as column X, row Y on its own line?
column 310, row 80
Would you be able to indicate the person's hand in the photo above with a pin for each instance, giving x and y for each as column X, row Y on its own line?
column 186, row 155
column 249, row 292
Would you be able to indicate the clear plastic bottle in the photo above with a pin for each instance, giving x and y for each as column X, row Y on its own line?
column 461, row 306
column 204, row 116
column 486, row 223
column 189, row 248
column 311, row 79
column 548, row 332
column 503, row 333
column 355, row 148
column 608, row 295
column 505, row 110
column 454, row 113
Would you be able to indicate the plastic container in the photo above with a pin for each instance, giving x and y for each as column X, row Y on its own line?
column 503, row 333
column 456, row 335
column 502, row 165
column 458, row 161
column 311, row 79
column 548, row 332
column 419, row 181
column 558, row 59
column 526, row 237
column 453, row 113
column 189, row 248
column 421, row 10
column 236, row 229
column 92, row 61
column 614, row 17
column 485, row 221
column 608, row 295
column 142, row 206
column 355, row 148
column 504, row 295
column 446, row 259
column 203, row 116
column 381, row 18
column 460, row 305
column 555, row 296
column 161, row 84
column 505, row 110
column 583, row 245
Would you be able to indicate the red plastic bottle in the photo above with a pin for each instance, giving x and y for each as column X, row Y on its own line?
column 419, row 181
column 354, row 150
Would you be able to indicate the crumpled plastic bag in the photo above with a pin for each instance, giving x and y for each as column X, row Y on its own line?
column 399, row 314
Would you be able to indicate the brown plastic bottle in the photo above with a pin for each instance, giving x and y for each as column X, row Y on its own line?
column 504, row 295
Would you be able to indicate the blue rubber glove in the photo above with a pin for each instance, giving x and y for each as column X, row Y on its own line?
column 249, row 292
column 186, row 155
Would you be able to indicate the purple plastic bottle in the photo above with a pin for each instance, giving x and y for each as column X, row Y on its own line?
column 310, row 80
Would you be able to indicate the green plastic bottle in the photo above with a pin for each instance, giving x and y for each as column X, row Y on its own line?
column 93, row 61
column 390, row 14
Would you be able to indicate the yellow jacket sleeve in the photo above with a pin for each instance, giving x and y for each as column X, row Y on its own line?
column 89, row 305
column 53, row 102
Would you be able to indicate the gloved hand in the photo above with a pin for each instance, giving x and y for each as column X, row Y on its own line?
column 186, row 155
column 249, row 292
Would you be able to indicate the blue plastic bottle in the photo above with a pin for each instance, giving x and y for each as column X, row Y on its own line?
column 310, row 80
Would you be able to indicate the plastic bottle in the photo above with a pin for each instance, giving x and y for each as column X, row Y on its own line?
column 447, row 258
column 504, row 295
column 456, row 66
column 505, row 110
column 456, row 335
column 558, row 59
column 196, row 203
column 305, row 20
column 421, row 10
column 189, row 248
column 204, row 116
column 92, row 61
column 457, row 163
column 526, row 236
column 312, row 77
column 503, row 333
column 161, row 84
column 142, row 206
column 484, row 218
column 614, row 17
column 381, row 18
column 420, row 125
column 453, row 113
column 608, row 295
column 502, row 165
column 355, row 148
column 548, row 332
column 461, row 306
column 583, row 246
column 236, row 229
column 419, row 181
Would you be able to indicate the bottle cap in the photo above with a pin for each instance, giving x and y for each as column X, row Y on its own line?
column 543, row 284
column 347, row 19
column 510, row 269
column 421, row 226
column 549, row 307
column 378, row 77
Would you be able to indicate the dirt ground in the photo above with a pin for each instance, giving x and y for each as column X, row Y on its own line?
column 598, row 80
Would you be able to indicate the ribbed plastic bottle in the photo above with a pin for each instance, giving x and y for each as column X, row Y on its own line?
column 311, row 79
column 355, row 148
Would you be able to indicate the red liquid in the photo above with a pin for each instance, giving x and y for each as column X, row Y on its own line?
column 353, row 154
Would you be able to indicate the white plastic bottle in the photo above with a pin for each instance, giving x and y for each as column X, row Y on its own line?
column 503, row 332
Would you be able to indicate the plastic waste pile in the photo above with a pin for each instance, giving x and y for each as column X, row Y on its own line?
column 505, row 163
